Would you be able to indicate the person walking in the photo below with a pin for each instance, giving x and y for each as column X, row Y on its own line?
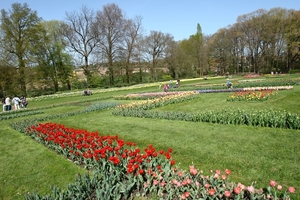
column 24, row 103
column 7, row 103
column 16, row 101
column 171, row 83
column 166, row 88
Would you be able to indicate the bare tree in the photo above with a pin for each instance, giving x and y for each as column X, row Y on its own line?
column 81, row 35
column 129, row 47
column 155, row 46
column 112, row 26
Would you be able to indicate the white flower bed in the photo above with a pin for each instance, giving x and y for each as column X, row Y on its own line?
column 269, row 88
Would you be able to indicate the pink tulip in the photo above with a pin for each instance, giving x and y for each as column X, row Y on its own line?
column 279, row 187
column 227, row 171
column 237, row 190
column 227, row 193
column 224, row 177
column 291, row 189
column 250, row 189
column 273, row 183
column 211, row 192
column 216, row 176
column 186, row 194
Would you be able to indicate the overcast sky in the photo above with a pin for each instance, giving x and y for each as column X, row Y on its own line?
column 176, row 17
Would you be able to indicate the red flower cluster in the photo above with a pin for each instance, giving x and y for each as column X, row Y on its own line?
column 84, row 146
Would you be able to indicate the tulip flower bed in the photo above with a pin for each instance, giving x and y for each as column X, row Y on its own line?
column 16, row 113
column 145, row 96
column 269, row 83
column 220, row 90
column 122, row 170
column 260, row 118
column 269, row 88
column 158, row 102
column 242, row 84
column 251, row 95
column 246, row 89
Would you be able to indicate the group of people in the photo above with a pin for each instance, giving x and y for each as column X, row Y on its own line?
column 166, row 86
column 87, row 92
column 13, row 104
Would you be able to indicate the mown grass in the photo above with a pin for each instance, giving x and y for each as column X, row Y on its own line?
column 26, row 166
column 251, row 153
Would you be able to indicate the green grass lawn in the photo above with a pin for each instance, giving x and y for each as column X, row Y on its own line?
column 251, row 153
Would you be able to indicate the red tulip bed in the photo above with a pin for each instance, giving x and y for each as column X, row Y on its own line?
column 122, row 170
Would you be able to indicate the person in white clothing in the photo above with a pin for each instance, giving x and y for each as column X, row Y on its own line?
column 16, row 100
column 7, row 103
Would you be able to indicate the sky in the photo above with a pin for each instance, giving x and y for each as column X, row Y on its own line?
column 176, row 17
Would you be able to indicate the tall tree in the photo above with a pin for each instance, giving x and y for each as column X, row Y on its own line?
column 54, row 63
column 155, row 46
column 112, row 27
column 172, row 52
column 292, row 37
column 81, row 35
column 129, row 47
column 186, row 59
column 221, row 48
column 20, row 27
column 196, row 42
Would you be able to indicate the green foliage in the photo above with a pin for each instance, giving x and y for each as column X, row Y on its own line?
column 294, row 71
column 20, row 42
column 21, row 113
column 166, row 77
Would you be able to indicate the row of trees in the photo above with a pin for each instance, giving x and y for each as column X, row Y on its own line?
column 38, row 54
column 263, row 41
